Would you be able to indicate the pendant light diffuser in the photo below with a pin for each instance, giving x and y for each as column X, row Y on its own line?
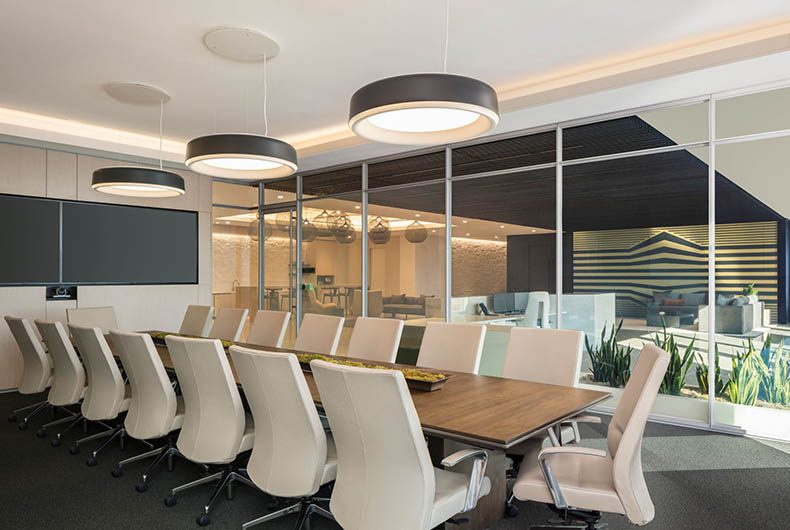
column 420, row 109
column 137, row 182
column 241, row 156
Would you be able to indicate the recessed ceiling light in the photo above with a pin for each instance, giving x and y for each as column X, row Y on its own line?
column 434, row 230
column 464, row 221
column 280, row 197
column 496, row 237
column 227, row 222
column 534, row 230
column 416, row 215
column 467, row 234
column 501, row 226
column 357, row 207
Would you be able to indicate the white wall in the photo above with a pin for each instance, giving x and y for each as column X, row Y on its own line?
column 65, row 175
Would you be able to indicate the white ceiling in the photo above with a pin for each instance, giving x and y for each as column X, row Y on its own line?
column 55, row 59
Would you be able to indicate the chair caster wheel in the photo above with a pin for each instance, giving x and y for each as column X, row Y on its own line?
column 55, row 442
column 90, row 462
column 143, row 487
column 117, row 472
column 74, row 450
column 22, row 426
column 203, row 520
column 12, row 418
column 511, row 510
column 41, row 433
column 171, row 501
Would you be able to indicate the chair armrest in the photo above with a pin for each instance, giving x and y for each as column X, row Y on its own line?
column 551, row 481
column 476, row 476
column 585, row 418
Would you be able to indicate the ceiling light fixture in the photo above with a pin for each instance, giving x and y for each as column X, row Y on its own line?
column 234, row 155
column 422, row 109
column 131, row 181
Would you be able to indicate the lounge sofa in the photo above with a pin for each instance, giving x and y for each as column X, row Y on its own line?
column 406, row 306
column 685, row 306
column 735, row 315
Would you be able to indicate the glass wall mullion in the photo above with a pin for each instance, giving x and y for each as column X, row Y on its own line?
column 711, row 262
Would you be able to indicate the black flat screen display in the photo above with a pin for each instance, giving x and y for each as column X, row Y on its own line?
column 29, row 240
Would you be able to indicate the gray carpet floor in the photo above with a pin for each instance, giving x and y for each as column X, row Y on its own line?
column 697, row 479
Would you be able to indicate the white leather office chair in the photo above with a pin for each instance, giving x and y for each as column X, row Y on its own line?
column 536, row 313
column 454, row 347
column 36, row 368
column 375, row 339
column 269, row 327
column 197, row 320
column 319, row 334
column 93, row 317
column 292, row 456
column 228, row 324
column 107, row 395
column 154, row 410
column 581, row 482
column 385, row 479
column 551, row 356
column 215, row 429
column 68, row 385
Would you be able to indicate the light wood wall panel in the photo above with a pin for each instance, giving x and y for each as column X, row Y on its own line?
column 142, row 307
column 23, row 170
column 61, row 175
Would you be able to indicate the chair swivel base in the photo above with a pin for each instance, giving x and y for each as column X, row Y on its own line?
column 305, row 508
column 574, row 518
column 225, row 480
column 160, row 454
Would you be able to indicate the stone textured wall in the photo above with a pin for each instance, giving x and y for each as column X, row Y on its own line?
column 235, row 257
column 479, row 267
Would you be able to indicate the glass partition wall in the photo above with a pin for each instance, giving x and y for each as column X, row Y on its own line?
column 665, row 225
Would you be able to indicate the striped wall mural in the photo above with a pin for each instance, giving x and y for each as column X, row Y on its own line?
column 635, row 262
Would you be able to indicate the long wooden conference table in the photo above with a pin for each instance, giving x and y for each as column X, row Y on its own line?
column 492, row 413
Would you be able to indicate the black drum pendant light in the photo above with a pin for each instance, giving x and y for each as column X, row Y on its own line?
column 130, row 181
column 420, row 109
column 234, row 155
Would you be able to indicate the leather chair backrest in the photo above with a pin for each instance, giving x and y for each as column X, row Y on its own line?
column 197, row 320
column 375, row 339
column 385, row 479
column 106, row 388
column 228, row 324
column 213, row 413
column 69, row 380
column 93, row 317
column 537, row 309
column 153, row 402
column 319, row 334
column 37, row 368
column 624, row 437
column 289, row 454
column 552, row 356
column 454, row 347
column 269, row 327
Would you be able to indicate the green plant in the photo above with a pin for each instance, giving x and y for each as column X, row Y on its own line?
column 679, row 365
column 749, row 289
column 611, row 362
column 775, row 367
column 743, row 388
column 702, row 374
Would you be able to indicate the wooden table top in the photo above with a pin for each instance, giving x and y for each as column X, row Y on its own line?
column 491, row 412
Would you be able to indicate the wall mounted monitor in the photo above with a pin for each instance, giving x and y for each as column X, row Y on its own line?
column 29, row 240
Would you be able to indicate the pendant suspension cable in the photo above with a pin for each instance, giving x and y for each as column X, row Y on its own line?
column 161, row 123
column 265, row 97
column 446, row 32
